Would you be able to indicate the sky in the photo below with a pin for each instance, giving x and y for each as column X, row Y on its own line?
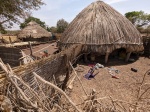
column 55, row 10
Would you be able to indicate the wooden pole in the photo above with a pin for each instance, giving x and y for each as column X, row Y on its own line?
column 10, row 40
column 128, row 56
column 85, row 58
column 106, row 57
column 31, row 52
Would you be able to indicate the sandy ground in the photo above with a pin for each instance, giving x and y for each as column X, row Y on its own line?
column 124, row 88
column 38, row 49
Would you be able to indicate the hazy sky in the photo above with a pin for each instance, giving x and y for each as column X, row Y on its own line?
column 68, row 9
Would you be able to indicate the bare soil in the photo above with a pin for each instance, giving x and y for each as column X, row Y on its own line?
column 125, row 89
column 38, row 49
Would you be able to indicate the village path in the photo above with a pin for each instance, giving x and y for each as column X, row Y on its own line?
column 38, row 49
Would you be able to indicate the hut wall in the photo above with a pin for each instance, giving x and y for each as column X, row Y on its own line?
column 10, row 55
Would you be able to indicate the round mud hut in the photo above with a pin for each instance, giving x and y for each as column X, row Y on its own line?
column 34, row 32
column 101, row 29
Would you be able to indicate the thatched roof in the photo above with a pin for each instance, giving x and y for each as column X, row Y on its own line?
column 100, row 28
column 33, row 30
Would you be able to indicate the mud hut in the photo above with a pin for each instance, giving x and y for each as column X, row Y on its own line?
column 34, row 32
column 101, row 29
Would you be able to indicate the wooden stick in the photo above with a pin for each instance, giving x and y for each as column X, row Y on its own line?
column 31, row 53
column 106, row 57
column 78, row 78
column 21, row 92
column 58, row 89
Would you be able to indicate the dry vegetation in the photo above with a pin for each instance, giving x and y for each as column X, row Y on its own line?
column 30, row 92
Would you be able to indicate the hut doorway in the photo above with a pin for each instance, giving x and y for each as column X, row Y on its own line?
column 118, row 54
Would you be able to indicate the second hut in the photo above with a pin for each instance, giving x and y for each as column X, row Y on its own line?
column 34, row 32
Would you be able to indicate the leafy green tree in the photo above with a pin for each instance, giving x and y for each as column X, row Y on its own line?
column 138, row 18
column 52, row 29
column 12, row 10
column 29, row 19
column 61, row 25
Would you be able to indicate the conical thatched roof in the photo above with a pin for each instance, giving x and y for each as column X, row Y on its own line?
column 33, row 30
column 100, row 28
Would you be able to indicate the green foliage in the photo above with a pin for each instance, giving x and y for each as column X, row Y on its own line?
column 29, row 19
column 147, row 30
column 12, row 10
column 61, row 25
column 140, row 29
column 52, row 29
column 139, row 18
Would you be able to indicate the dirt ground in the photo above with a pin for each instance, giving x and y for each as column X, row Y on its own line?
column 124, row 89
column 38, row 49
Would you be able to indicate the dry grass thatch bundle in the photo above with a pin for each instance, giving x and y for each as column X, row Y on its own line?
column 100, row 28
column 9, row 39
column 33, row 30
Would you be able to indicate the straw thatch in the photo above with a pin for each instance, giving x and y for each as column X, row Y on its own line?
column 9, row 39
column 34, row 30
column 100, row 28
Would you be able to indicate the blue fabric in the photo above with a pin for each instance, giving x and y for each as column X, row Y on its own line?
column 88, row 76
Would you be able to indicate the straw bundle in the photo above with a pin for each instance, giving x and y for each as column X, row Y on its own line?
column 9, row 39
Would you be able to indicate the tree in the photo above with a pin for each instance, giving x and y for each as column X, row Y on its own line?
column 29, row 19
column 12, row 10
column 61, row 25
column 52, row 29
column 138, row 18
